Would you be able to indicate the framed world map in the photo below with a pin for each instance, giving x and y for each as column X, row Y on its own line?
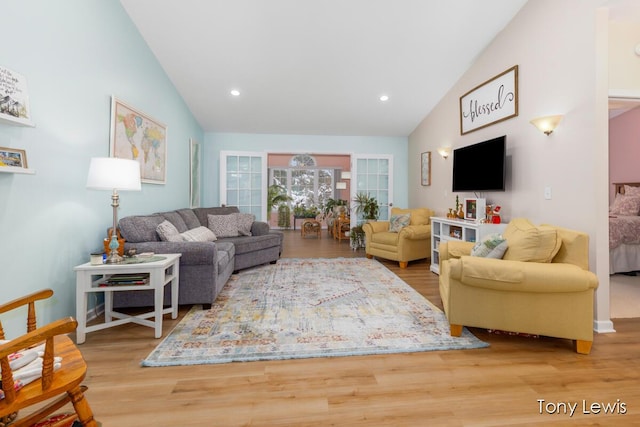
column 136, row 136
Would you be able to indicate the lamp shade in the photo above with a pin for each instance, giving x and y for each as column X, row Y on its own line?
column 111, row 173
column 547, row 124
column 341, row 185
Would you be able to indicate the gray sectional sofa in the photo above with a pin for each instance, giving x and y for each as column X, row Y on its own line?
column 205, row 267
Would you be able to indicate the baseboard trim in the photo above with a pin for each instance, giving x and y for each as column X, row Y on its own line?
column 603, row 326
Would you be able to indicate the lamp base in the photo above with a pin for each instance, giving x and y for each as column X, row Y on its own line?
column 114, row 258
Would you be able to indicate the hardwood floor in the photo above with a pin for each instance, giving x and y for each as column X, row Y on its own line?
column 500, row 385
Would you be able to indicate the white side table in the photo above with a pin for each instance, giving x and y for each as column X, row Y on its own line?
column 162, row 271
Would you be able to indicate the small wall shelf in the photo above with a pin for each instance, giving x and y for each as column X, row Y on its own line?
column 12, row 169
column 9, row 120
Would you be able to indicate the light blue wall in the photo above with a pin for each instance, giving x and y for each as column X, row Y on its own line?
column 75, row 54
column 216, row 142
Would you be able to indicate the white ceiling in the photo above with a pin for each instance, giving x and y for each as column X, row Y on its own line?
column 317, row 67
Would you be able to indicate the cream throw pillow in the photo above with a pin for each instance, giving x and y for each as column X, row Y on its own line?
column 530, row 243
column 199, row 234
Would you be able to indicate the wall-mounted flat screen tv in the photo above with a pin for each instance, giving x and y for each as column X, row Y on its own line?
column 481, row 166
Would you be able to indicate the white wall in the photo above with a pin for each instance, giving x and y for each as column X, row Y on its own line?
column 555, row 46
column 75, row 54
column 216, row 142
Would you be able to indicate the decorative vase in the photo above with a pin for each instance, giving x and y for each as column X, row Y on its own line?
column 460, row 213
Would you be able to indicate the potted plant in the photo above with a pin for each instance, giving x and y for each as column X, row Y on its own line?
column 357, row 237
column 277, row 197
column 331, row 204
column 366, row 206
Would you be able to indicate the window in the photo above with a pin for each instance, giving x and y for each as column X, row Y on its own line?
column 305, row 182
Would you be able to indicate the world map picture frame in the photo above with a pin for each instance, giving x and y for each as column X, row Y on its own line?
column 137, row 136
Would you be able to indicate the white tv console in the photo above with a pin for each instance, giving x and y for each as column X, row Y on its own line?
column 446, row 229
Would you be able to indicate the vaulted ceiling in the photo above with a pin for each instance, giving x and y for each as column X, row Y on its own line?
column 316, row 67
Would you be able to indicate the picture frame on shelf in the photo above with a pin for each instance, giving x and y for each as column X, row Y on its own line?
column 137, row 136
column 13, row 158
column 474, row 209
column 490, row 102
column 14, row 98
column 425, row 168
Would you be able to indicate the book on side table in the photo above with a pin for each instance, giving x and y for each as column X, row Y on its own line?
column 126, row 280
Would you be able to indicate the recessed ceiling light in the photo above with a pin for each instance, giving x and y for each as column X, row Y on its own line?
column 384, row 98
column 235, row 92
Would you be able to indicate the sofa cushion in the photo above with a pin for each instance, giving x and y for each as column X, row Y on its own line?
column 168, row 232
column 530, row 243
column 142, row 228
column 244, row 222
column 385, row 238
column 190, row 218
column 491, row 246
column 174, row 218
column 223, row 225
column 226, row 253
column 255, row 243
column 199, row 234
column 398, row 222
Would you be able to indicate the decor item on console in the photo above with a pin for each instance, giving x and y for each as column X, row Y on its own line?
column 109, row 173
column 474, row 209
column 624, row 229
column 208, row 260
column 410, row 243
column 541, row 286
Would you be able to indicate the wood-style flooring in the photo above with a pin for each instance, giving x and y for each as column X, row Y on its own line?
column 516, row 381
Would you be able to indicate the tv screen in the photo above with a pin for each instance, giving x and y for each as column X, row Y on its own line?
column 481, row 166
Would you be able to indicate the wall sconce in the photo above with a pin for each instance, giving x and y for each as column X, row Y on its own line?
column 547, row 124
column 444, row 152
column 341, row 185
column 345, row 175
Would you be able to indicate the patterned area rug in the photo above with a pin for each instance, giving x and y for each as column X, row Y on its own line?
column 300, row 308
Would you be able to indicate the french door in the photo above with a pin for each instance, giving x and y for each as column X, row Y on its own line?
column 373, row 175
column 243, row 182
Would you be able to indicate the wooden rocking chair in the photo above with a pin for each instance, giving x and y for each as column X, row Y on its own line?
column 64, row 383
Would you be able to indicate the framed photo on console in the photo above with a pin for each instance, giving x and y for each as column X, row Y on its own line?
column 474, row 209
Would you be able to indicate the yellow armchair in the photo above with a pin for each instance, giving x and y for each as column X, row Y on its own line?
column 545, row 298
column 409, row 244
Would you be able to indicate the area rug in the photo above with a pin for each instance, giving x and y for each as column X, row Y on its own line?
column 302, row 308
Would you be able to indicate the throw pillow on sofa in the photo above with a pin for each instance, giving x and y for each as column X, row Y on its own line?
column 491, row 246
column 199, row 234
column 168, row 232
column 223, row 225
column 244, row 223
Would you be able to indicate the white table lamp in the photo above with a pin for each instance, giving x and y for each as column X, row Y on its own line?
column 110, row 173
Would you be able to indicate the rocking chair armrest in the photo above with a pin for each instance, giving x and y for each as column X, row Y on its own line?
column 19, row 302
column 58, row 327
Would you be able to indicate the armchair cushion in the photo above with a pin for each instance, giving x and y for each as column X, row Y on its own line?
column 530, row 243
column 419, row 216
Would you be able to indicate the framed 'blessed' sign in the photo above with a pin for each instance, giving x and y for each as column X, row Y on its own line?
column 491, row 102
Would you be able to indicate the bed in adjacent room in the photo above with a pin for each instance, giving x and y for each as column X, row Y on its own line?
column 624, row 229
